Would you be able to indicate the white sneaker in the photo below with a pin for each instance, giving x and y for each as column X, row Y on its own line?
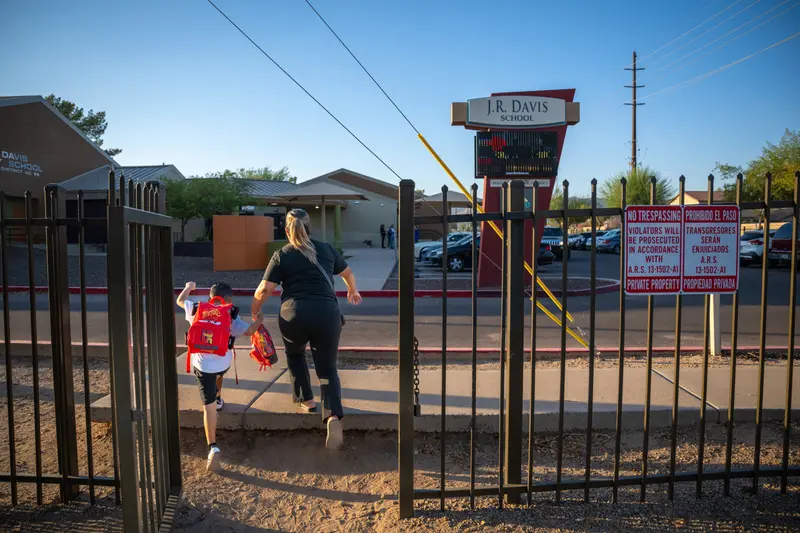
column 220, row 403
column 212, row 465
column 335, row 434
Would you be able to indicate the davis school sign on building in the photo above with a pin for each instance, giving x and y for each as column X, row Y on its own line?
column 516, row 112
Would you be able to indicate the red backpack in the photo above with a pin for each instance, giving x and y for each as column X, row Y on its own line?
column 210, row 331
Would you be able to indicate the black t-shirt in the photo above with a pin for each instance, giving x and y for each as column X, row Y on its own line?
column 299, row 277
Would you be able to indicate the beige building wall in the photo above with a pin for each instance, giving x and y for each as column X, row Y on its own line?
column 360, row 220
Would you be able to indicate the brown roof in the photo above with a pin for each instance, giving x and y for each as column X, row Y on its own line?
column 702, row 196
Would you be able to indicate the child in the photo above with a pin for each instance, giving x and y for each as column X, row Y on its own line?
column 209, row 368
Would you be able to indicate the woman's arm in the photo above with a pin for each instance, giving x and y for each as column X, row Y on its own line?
column 187, row 290
column 258, row 318
column 350, row 280
column 263, row 292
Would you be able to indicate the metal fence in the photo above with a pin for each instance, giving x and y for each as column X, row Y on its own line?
column 146, row 478
column 511, row 484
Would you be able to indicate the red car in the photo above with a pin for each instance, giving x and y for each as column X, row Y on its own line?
column 780, row 246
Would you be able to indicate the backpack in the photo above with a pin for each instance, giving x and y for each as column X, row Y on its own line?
column 210, row 331
column 263, row 351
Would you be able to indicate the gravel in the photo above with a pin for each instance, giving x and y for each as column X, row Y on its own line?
column 285, row 481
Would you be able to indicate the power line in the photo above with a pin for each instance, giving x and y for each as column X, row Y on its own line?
column 718, row 70
column 724, row 35
column 348, row 130
column 723, row 45
column 710, row 29
column 681, row 36
column 362, row 66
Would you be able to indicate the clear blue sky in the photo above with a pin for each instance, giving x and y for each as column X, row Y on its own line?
column 180, row 85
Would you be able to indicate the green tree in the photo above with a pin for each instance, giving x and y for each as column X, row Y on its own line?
column 265, row 173
column 637, row 188
column 782, row 160
column 180, row 205
column 199, row 197
column 575, row 202
column 92, row 124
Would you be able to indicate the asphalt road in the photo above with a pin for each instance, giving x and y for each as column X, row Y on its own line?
column 374, row 323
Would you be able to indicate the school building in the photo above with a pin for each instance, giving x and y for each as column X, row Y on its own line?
column 39, row 146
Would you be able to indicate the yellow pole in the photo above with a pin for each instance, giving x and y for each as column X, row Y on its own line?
column 539, row 282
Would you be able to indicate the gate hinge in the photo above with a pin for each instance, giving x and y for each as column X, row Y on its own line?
column 137, row 415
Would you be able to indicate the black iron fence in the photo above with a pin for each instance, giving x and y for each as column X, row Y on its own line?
column 511, row 483
column 144, row 474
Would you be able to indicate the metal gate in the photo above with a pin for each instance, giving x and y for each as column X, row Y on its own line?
column 146, row 477
column 511, row 483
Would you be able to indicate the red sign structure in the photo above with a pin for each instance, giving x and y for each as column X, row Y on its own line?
column 710, row 249
column 653, row 249
column 672, row 249
column 489, row 271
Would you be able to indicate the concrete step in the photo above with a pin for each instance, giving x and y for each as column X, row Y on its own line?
column 263, row 400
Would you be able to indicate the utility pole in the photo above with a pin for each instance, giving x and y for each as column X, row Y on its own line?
column 634, row 104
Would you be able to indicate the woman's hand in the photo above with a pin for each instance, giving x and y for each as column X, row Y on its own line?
column 354, row 297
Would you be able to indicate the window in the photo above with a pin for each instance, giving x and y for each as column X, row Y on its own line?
column 784, row 232
column 552, row 232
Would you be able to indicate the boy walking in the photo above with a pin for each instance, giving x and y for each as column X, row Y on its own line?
column 209, row 368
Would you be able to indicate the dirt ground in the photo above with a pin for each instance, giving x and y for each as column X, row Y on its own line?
column 278, row 481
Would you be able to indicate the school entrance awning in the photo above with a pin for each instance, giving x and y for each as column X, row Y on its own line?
column 320, row 193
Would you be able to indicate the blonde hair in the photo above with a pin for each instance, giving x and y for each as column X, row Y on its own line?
column 297, row 223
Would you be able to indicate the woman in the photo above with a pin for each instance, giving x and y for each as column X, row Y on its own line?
column 310, row 315
column 383, row 236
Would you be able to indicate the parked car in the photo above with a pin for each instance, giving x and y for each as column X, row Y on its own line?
column 780, row 246
column 459, row 254
column 555, row 238
column 610, row 242
column 751, row 247
column 421, row 247
column 574, row 240
column 586, row 239
column 546, row 255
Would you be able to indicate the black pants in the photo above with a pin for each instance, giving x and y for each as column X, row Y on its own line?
column 383, row 240
column 319, row 324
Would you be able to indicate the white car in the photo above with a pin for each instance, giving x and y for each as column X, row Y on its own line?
column 420, row 247
column 751, row 248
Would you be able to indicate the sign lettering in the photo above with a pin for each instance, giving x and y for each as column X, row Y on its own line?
column 514, row 112
column 671, row 249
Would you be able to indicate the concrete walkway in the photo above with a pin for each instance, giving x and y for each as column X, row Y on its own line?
column 263, row 399
column 371, row 266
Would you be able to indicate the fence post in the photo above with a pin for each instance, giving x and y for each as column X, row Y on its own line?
column 715, row 339
column 55, row 201
column 515, row 333
column 405, row 354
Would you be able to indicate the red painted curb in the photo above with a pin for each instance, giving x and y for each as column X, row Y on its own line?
column 491, row 293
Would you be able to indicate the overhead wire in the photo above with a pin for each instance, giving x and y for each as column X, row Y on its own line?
column 348, row 130
column 436, row 156
column 709, row 30
column 723, row 36
column 352, row 134
column 723, row 45
column 718, row 70
column 684, row 34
